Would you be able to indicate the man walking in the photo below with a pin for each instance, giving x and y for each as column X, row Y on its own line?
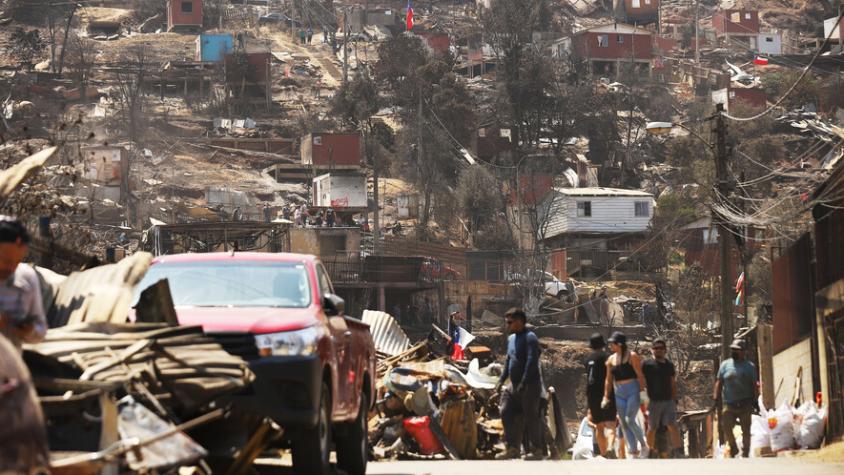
column 22, row 318
column 521, row 396
column 736, row 384
column 662, row 392
column 600, row 418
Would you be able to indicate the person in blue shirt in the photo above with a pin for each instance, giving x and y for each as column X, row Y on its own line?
column 736, row 387
column 522, row 389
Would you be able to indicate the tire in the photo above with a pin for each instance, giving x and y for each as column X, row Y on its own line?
column 312, row 448
column 353, row 448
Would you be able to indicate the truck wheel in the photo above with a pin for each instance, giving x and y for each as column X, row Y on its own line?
column 312, row 449
column 352, row 448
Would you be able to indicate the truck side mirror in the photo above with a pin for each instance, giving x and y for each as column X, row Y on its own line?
column 333, row 305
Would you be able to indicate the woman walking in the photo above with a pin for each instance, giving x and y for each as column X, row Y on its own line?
column 625, row 377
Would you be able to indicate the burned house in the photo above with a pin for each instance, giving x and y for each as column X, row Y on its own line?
column 737, row 28
column 184, row 15
column 437, row 42
column 639, row 12
column 611, row 49
column 740, row 96
column 492, row 141
column 107, row 167
column 249, row 74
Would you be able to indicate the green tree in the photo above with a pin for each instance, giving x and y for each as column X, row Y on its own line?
column 437, row 111
column 777, row 84
column 479, row 198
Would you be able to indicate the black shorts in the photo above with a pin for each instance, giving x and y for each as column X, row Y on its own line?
column 600, row 414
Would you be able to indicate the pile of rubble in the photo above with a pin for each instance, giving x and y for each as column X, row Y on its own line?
column 431, row 406
column 115, row 395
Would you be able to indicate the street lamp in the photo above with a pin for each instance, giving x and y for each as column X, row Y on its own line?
column 719, row 150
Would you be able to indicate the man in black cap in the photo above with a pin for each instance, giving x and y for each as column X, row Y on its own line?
column 737, row 384
column 601, row 418
column 521, row 397
column 662, row 391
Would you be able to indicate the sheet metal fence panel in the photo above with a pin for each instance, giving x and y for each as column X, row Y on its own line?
column 388, row 336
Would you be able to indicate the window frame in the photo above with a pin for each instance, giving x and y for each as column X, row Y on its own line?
column 189, row 5
column 584, row 208
column 638, row 205
column 604, row 41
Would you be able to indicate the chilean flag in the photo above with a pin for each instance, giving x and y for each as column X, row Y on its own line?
column 409, row 15
column 760, row 60
column 461, row 344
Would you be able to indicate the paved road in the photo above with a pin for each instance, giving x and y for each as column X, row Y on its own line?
column 774, row 466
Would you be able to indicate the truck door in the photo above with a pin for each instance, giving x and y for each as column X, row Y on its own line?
column 344, row 384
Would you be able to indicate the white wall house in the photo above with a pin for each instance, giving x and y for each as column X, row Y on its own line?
column 340, row 191
column 597, row 211
column 769, row 43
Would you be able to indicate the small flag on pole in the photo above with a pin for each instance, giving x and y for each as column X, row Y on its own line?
column 409, row 15
column 740, row 289
column 461, row 344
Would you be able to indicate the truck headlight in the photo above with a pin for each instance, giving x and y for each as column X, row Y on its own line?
column 293, row 343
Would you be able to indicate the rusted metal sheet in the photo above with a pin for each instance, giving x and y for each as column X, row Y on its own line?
column 101, row 294
column 388, row 336
column 792, row 294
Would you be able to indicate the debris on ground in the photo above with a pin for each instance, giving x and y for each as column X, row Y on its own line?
column 430, row 405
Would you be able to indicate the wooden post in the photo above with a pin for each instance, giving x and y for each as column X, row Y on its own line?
column 764, row 337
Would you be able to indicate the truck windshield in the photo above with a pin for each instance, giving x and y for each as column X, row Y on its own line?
column 232, row 284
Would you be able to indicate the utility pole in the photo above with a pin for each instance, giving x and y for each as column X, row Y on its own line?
column 346, row 51
column 697, row 33
column 721, row 184
column 376, row 215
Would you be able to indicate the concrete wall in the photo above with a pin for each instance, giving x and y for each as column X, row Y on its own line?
column 786, row 365
column 325, row 242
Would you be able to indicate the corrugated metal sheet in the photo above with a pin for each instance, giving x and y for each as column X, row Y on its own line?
column 11, row 177
column 388, row 336
column 101, row 294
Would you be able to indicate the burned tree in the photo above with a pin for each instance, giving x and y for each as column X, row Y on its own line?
column 26, row 45
column 129, row 93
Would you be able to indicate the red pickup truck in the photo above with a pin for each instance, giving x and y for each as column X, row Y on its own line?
column 314, row 365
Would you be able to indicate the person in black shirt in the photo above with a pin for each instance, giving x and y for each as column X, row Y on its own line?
column 662, row 392
column 601, row 418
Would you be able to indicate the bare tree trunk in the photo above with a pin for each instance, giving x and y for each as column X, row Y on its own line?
column 64, row 42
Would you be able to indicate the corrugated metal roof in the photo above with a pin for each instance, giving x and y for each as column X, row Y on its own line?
column 388, row 336
column 101, row 294
column 600, row 191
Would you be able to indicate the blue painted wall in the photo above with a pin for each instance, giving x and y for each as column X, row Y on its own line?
column 213, row 47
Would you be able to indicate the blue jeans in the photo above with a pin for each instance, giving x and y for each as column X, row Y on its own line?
column 627, row 403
